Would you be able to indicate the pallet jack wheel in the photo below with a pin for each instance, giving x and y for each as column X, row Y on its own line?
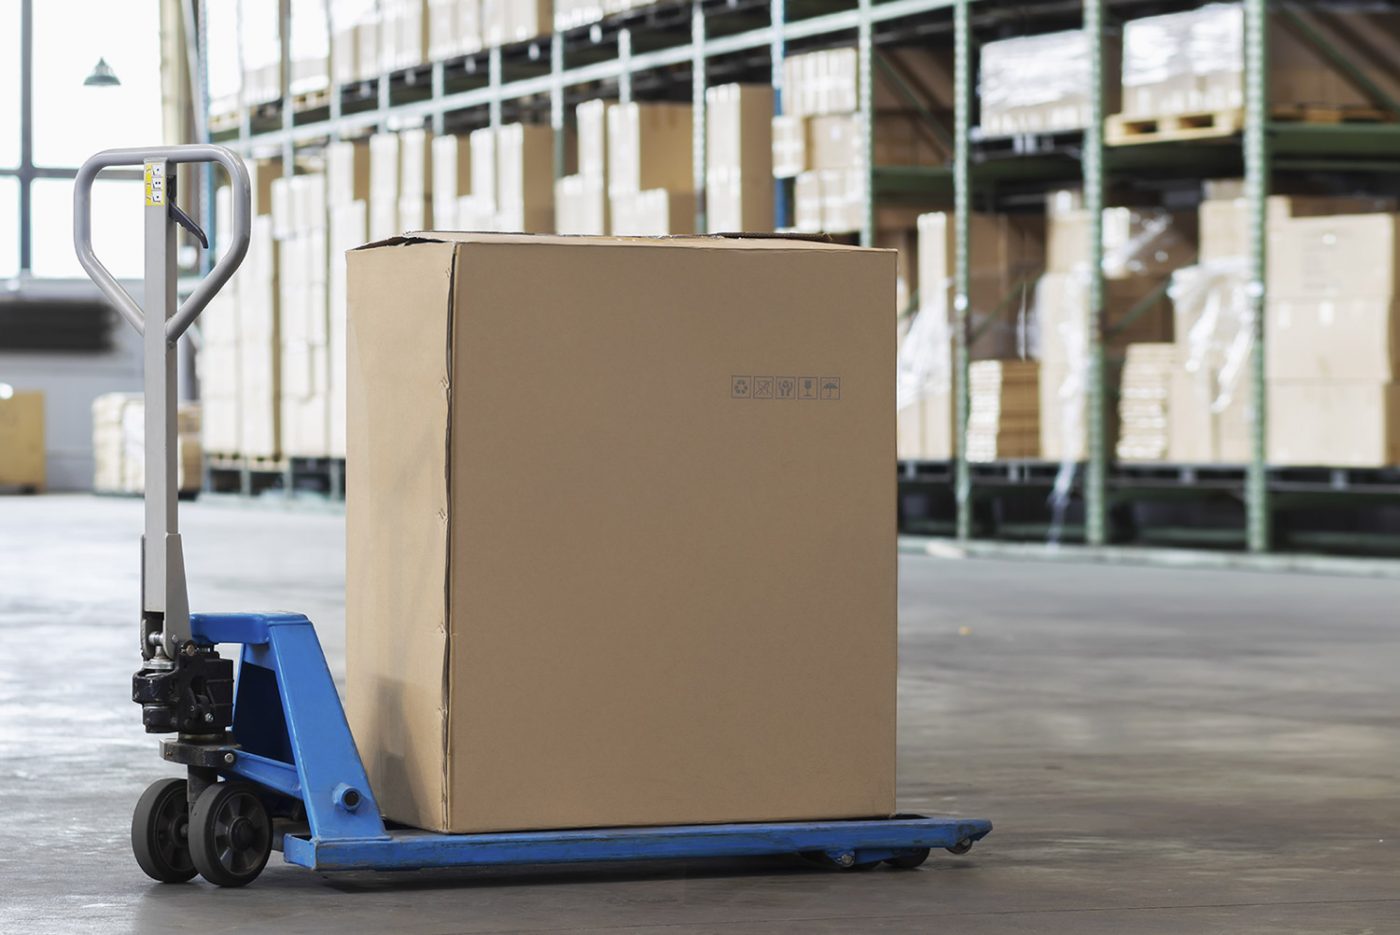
column 230, row 834
column 823, row 859
column 909, row 861
column 962, row 847
column 160, row 832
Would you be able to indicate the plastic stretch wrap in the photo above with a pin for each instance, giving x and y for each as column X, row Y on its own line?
column 1207, row 41
column 1040, row 84
column 925, row 356
column 1138, row 244
column 1211, row 403
column 1034, row 70
column 1215, row 324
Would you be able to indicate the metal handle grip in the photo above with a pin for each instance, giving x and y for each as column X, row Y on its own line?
column 242, row 227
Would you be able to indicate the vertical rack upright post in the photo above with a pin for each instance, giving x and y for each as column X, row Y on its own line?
column 698, row 113
column 777, row 51
column 556, row 101
column 962, row 222
column 865, row 83
column 1096, row 442
column 1258, row 519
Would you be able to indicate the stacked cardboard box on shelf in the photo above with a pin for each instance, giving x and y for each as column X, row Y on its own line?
column 651, row 180
column 347, row 216
column 1333, row 341
column 299, row 224
column 454, row 28
column 1143, row 401
column 451, row 178
column 1193, row 62
column 310, row 66
column 570, row 14
column 22, row 439
column 739, row 157
column 1007, row 252
column 581, row 199
column 222, row 62
column 239, row 358
column 1003, row 410
column 1041, row 84
column 1211, row 400
column 819, row 139
column 400, row 184
column 507, row 21
column 119, row 445
column 1141, row 247
column 464, row 725
column 260, row 48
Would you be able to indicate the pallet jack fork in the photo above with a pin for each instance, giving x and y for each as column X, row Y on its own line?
column 269, row 757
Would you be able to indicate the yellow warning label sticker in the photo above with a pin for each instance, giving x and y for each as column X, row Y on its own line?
column 155, row 184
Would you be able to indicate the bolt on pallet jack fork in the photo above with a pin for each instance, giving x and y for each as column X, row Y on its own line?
column 165, row 610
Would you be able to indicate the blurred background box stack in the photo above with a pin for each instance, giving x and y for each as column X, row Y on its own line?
column 119, row 445
column 21, row 439
column 1003, row 419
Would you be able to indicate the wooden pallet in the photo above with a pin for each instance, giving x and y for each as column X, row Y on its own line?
column 225, row 122
column 311, row 100
column 226, row 462
column 1122, row 130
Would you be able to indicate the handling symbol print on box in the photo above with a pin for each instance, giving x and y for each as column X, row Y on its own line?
column 831, row 388
column 807, row 388
column 787, row 387
column 762, row 387
column 739, row 387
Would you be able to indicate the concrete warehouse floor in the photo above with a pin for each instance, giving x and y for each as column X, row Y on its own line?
column 1161, row 751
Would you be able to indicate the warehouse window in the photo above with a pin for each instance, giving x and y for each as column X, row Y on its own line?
column 62, row 121
column 9, row 85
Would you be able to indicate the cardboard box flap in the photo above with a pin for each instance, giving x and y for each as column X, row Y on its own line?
column 746, row 240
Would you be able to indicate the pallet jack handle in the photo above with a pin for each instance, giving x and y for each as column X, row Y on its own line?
column 165, row 616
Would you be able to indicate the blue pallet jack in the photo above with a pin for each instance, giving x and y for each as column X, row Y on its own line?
column 268, row 754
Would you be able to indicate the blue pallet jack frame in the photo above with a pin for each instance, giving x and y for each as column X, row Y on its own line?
column 268, row 753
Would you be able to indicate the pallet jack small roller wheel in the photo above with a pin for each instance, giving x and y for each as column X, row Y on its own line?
column 909, row 861
column 230, row 834
column 160, row 832
column 962, row 847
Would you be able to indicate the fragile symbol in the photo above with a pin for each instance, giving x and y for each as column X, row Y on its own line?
column 762, row 387
column 807, row 388
column 739, row 387
column 787, row 387
column 831, row 388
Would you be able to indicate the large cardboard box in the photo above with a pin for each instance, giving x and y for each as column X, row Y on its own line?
column 1351, row 424
column 1136, row 241
column 1333, row 339
column 1351, row 255
column 1208, row 423
column 650, row 146
column 22, row 438
column 1225, row 223
column 507, row 670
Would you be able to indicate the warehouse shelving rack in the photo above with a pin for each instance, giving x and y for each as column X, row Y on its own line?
column 541, row 77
